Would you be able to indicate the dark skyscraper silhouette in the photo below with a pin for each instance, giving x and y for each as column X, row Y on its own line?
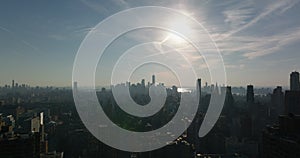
column 199, row 87
column 13, row 84
column 229, row 98
column 153, row 79
column 292, row 97
column 250, row 94
column 292, row 102
column 277, row 101
column 294, row 81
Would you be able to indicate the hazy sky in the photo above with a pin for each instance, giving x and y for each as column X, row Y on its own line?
column 259, row 40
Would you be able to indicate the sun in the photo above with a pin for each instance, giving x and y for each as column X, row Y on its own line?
column 175, row 39
column 179, row 27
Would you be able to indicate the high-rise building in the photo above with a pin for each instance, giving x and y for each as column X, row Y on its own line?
column 13, row 84
column 294, row 81
column 199, row 87
column 229, row 101
column 229, row 98
column 35, row 124
column 277, row 102
column 292, row 102
column 153, row 79
column 250, row 94
column 143, row 83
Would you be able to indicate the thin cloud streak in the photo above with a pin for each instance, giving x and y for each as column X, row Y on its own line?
column 256, row 46
column 282, row 6
column 21, row 40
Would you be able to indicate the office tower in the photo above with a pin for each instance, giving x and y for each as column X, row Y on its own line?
column 43, row 141
column 199, row 87
column 229, row 97
column 294, row 81
column 229, row 101
column 143, row 82
column 153, row 79
column 42, row 125
column 35, row 124
column 250, row 94
column 277, row 102
column 13, row 84
column 292, row 102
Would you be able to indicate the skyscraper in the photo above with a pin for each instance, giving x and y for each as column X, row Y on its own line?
column 292, row 102
column 13, row 84
column 229, row 97
column 143, row 82
column 294, row 81
column 250, row 94
column 153, row 79
column 199, row 87
column 277, row 102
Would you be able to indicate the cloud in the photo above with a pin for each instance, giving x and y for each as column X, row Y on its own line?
column 275, row 43
column 256, row 46
column 246, row 14
column 281, row 6
column 30, row 45
column 231, row 66
column 122, row 4
column 24, row 42
column 238, row 17
column 95, row 6
column 57, row 37
column 106, row 8
column 5, row 29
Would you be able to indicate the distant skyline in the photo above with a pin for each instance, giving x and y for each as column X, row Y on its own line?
column 259, row 40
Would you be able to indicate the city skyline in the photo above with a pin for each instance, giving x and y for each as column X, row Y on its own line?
column 152, row 79
column 258, row 40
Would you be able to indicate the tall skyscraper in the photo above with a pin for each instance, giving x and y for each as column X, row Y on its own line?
column 294, row 81
column 199, row 87
column 13, row 84
column 153, row 79
column 250, row 94
column 143, row 83
column 229, row 101
column 277, row 102
column 229, row 96
column 292, row 102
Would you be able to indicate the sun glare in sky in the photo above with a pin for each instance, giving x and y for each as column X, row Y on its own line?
column 180, row 27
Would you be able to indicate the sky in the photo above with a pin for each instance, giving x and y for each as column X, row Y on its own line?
column 258, row 40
